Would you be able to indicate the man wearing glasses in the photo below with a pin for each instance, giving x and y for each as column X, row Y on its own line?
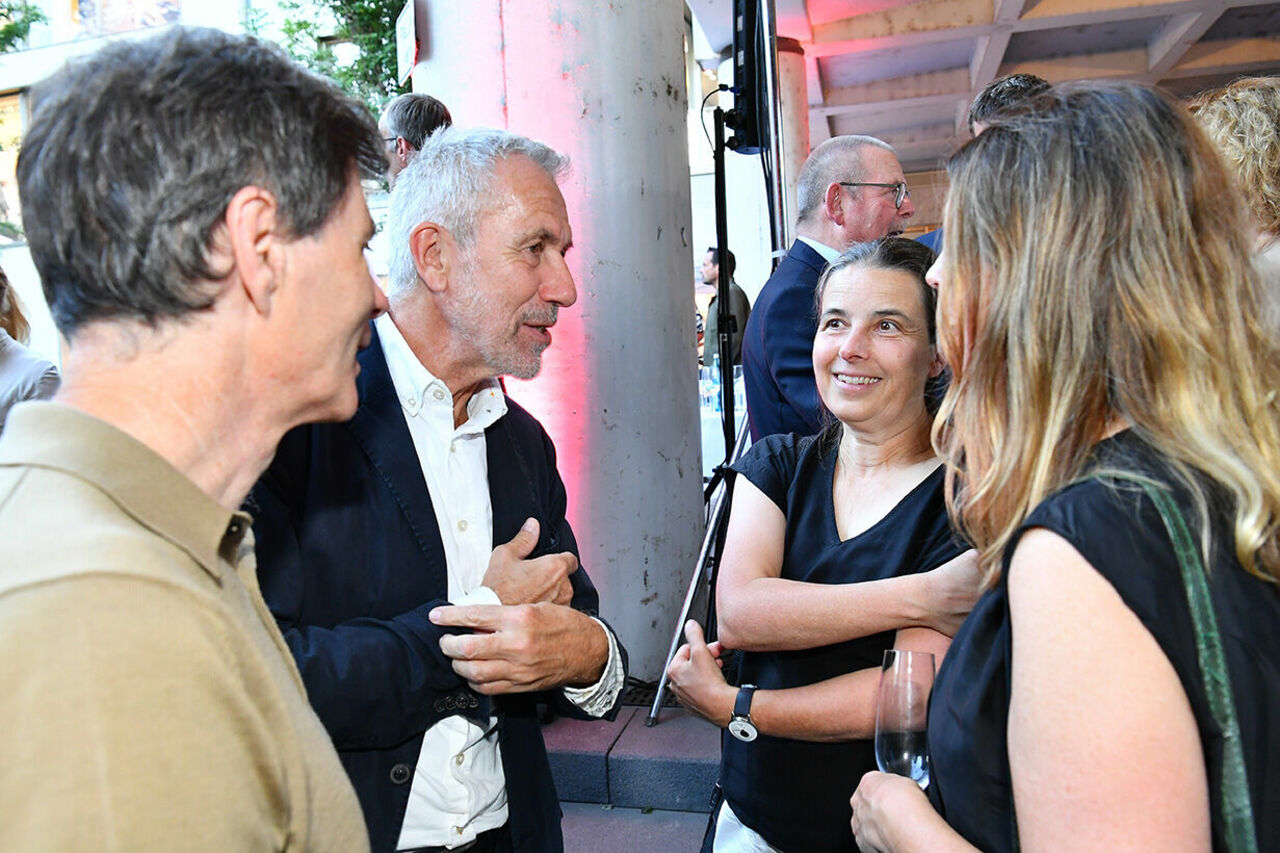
column 850, row 190
column 405, row 124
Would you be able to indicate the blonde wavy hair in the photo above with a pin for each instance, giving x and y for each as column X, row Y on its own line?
column 1099, row 275
column 1243, row 119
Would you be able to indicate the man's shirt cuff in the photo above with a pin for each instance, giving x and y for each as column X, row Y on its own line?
column 598, row 698
column 479, row 595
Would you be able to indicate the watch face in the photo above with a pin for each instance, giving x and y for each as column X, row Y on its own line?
column 741, row 728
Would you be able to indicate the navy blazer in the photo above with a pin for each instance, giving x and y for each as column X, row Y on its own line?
column 350, row 562
column 933, row 240
column 777, row 351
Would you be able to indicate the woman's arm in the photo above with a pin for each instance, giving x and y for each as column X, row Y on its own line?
column 1103, row 746
column 759, row 611
column 838, row 709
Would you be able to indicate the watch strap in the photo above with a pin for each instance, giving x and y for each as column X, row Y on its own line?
column 742, row 704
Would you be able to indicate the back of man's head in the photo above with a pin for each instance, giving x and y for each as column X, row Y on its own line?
column 837, row 159
column 448, row 183
column 1003, row 94
column 134, row 152
column 414, row 117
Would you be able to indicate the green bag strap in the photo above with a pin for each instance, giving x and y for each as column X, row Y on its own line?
column 1237, row 810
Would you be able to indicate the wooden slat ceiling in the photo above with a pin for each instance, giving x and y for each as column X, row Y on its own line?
column 906, row 71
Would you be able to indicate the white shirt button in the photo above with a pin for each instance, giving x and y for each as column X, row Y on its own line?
column 411, row 402
column 457, row 759
column 438, row 394
column 462, row 525
column 458, row 829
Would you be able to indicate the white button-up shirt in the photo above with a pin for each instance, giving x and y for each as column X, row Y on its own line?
column 459, row 789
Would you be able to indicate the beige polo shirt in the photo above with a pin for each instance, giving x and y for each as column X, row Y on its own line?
column 147, row 699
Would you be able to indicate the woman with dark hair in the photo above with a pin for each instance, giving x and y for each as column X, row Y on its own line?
column 827, row 562
column 23, row 375
column 1112, row 444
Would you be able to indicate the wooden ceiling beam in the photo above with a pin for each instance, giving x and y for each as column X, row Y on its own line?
column 1175, row 38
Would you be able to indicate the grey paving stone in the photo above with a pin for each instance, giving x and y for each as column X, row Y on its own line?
column 579, row 751
column 669, row 766
column 592, row 828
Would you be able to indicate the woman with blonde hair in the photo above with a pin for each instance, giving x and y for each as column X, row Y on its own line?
column 1243, row 120
column 23, row 375
column 1112, row 442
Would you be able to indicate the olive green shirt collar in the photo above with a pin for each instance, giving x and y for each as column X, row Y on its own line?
column 144, row 484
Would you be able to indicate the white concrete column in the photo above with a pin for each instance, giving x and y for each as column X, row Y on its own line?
column 794, row 91
column 604, row 84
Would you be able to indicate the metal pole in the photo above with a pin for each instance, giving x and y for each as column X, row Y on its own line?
column 724, row 316
column 718, row 508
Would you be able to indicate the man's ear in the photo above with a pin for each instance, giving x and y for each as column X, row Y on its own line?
column 255, row 245
column 403, row 150
column 434, row 253
column 834, row 203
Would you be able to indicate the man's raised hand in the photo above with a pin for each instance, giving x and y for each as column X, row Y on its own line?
column 517, row 580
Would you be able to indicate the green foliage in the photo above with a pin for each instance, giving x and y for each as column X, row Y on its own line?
column 16, row 20
column 314, row 28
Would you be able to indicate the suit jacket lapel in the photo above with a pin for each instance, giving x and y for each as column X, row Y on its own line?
column 379, row 428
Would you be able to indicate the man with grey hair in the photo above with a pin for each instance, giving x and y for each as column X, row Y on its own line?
column 193, row 205
column 851, row 189
column 406, row 123
column 424, row 647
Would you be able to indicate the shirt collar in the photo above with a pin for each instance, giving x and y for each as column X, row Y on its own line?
column 145, row 485
column 828, row 254
column 417, row 389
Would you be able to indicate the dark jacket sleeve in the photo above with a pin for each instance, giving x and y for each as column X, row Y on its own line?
column 376, row 678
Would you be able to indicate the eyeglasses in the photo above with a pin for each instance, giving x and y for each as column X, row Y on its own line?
column 390, row 138
column 900, row 191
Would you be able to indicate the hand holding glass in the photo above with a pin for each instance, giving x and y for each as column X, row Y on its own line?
column 901, row 713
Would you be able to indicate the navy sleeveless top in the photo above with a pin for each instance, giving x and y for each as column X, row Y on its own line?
column 796, row 793
column 1115, row 527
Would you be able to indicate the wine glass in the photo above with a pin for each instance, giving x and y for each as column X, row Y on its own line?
column 901, row 744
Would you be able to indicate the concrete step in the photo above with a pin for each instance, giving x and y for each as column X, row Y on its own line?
column 594, row 828
column 671, row 766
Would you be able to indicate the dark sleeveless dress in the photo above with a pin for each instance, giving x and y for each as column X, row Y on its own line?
column 795, row 793
column 1118, row 530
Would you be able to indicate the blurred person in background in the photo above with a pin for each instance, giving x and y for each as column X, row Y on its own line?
column 1003, row 93
column 739, row 307
column 406, row 123
column 23, row 375
column 1243, row 119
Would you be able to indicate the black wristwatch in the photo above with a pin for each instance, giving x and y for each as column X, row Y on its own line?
column 740, row 725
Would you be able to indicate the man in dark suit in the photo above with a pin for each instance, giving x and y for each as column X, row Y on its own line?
column 850, row 190
column 423, row 647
